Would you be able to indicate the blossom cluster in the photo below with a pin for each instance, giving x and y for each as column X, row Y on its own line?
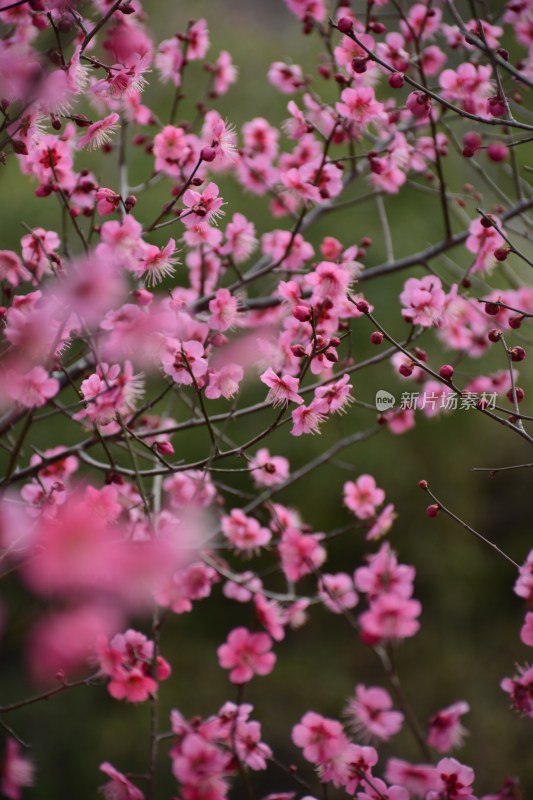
column 130, row 342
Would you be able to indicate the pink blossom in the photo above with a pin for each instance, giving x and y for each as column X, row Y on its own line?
column 157, row 262
column 240, row 239
column 335, row 397
column 17, row 771
column 291, row 252
column 307, row 419
column 445, row 729
column 520, row 690
column 246, row 654
column 362, row 496
column 382, row 524
column 419, row 779
column 204, row 206
column 456, row 780
column 184, row 361
column 197, row 40
column 483, row 242
column 526, row 632
column 225, row 73
column 244, row 533
column 267, row 470
column 384, row 574
column 423, row 300
column 370, row 713
column 390, row 617
column 107, row 201
column 119, row 787
column 283, row 390
column 224, row 311
column 319, row 737
column 191, row 488
column 224, row 382
column 271, row 616
column 300, row 553
column 337, row 592
column 360, row 106
column 288, row 78
column 99, row 132
column 11, row 268
column 31, row 389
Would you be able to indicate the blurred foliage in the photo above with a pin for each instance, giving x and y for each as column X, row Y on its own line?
column 471, row 618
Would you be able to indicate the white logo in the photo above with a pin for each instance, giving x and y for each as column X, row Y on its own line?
column 384, row 400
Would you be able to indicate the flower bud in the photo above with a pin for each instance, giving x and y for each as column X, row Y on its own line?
column 396, row 80
column 516, row 322
column 519, row 395
column 446, row 372
column 433, row 510
column 376, row 337
column 494, row 335
column 208, row 154
column 423, row 485
column 517, row 353
column 301, row 313
column 345, row 25
column 165, row 448
column 362, row 306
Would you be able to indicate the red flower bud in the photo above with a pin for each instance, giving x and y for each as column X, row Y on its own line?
column 301, row 313
column 446, row 371
column 519, row 394
column 376, row 337
column 433, row 510
column 345, row 25
column 396, row 80
column 208, row 154
column 517, row 353
column 494, row 335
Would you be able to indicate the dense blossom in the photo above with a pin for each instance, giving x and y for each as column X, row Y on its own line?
column 323, row 251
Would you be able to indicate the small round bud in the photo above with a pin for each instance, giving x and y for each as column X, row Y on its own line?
column 377, row 27
column 345, row 25
column 362, row 306
column 517, row 353
column 501, row 253
column 334, row 341
column 332, row 356
column 486, row 222
column 298, row 351
column 498, row 151
column 19, row 147
column 406, row 370
column 492, row 309
column 518, row 395
column 396, row 80
column 420, row 354
column 503, row 53
column 494, row 335
column 446, row 371
column 433, row 510
column 301, row 313
column 423, row 485
column 516, row 322
column 376, row 337
column 366, row 241
column 208, row 154
column 359, row 65
column 130, row 202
